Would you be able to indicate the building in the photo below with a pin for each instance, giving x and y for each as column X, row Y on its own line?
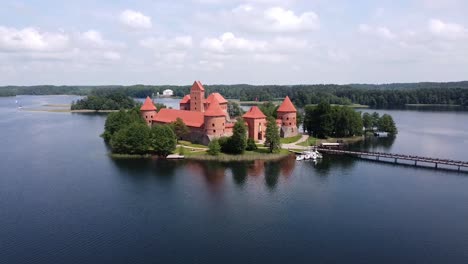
column 208, row 118
column 167, row 93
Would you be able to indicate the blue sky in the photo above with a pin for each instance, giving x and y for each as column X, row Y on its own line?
column 231, row 41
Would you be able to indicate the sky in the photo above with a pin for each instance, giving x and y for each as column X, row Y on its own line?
column 125, row 42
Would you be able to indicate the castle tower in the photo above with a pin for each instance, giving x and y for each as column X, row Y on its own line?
column 215, row 120
column 256, row 122
column 148, row 110
column 197, row 97
column 287, row 114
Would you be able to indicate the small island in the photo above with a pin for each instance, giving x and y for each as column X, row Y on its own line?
column 212, row 128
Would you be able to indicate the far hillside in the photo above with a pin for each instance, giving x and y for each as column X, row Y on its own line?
column 373, row 95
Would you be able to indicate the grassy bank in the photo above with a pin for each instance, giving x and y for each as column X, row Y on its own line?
column 290, row 140
column 260, row 154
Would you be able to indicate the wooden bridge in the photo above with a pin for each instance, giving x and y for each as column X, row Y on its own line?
column 389, row 157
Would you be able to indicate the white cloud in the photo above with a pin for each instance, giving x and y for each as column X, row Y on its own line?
column 32, row 39
column 275, row 19
column 382, row 32
column 228, row 42
column 177, row 43
column 446, row 30
column 270, row 57
column 135, row 20
column 385, row 33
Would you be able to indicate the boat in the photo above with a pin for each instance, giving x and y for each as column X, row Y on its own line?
column 300, row 157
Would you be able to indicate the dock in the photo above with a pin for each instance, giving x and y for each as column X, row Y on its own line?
column 461, row 166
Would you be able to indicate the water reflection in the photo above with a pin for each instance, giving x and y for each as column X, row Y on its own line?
column 212, row 173
column 371, row 143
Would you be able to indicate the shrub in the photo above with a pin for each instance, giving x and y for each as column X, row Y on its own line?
column 251, row 145
column 214, row 148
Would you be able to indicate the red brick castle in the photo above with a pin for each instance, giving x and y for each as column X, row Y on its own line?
column 208, row 118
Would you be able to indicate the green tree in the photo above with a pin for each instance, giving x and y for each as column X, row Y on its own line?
column 387, row 124
column 238, row 140
column 251, row 145
column 132, row 139
column 299, row 118
column 118, row 120
column 214, row 148
column 375, row 119
column 269, row 109
column 162, row 140
column 272, row 136
column 181, row 130
column 234, row 109
column 367, row 121
column 160, row 106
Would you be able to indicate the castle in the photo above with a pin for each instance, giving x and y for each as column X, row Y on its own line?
column 209, row 118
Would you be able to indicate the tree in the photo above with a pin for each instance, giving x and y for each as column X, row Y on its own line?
column 367, row 121
column 234, row 109
column 299, row 119
column 375, row 119
column 272, row 136
column 387, row 124
column 214, row 148
column 132, row 139
column 162, row 140
column 269, row 109
column 160, row 106
column 251, row 145
column 238, row 140
column 181, row 130
column 118, row 120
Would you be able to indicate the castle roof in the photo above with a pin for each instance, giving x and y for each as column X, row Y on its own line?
column 254, row 112
column 190, row 118
column 214, row 109
column 216, row 96
column 148, row 105
column 197, row 86
column 185, row 100
column 287, row 106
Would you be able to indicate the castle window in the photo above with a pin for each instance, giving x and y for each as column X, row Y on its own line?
column 290, row 123
column 223, row 124
column 151, row 116
column 287, row 118
column 212, row 124
column 214, row 130
column 146, row 117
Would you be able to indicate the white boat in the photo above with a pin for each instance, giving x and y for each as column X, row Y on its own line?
column 300, row 157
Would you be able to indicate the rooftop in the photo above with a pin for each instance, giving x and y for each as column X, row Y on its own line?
column 254, row 112
column 287, row 106
column 148, row 105
column 190, row 118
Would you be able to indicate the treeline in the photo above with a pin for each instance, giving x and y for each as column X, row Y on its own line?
column 378, row 96
column 104, row 100
column 324, row 120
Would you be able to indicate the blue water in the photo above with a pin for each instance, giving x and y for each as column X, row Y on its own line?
column 64, row 200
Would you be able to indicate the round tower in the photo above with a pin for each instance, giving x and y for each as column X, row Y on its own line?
column 287, row 114
column 215, row 120
column 148, row 111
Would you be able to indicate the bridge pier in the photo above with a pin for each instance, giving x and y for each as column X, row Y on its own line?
column 459, row 168
column 436, row 165
column 415, row 163
column 396, row 160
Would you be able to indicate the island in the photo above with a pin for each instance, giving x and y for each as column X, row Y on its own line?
column 211, row 128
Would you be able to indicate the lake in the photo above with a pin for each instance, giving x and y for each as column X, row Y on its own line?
column 64, row 200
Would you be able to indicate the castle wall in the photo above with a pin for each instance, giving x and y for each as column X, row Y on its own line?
column 256, row 128
column 196, row 101
column 148, row 116
column 215, row 126
column 288, row 124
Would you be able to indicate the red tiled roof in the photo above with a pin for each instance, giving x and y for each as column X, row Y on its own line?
column 216, row 96
column 229, row 125
column 214, row 109
column 190, row 118
column 185, row 100
column 254, row 112
column 148, row 105
column 197, row 86
column 287, row 106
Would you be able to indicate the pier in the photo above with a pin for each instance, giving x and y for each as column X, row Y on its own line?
column 461, row 166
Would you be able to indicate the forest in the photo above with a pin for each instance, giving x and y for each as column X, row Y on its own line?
column 376, row 96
